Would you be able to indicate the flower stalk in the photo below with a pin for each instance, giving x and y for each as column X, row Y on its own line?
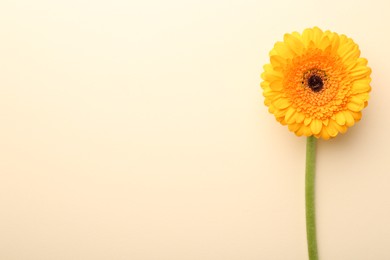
column 310, row 198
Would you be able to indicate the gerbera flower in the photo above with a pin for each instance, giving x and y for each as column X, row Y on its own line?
column 316, row 83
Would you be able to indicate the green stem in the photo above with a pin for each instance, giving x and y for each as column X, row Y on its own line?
column 310, row 201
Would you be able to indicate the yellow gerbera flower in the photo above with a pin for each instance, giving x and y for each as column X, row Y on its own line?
column 316, row 83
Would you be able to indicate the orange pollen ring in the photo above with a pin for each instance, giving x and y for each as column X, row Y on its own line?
column 317, row 84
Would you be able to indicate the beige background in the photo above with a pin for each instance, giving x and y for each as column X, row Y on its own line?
column 137, row 130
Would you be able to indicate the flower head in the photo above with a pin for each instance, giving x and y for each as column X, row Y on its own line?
column 316, row 83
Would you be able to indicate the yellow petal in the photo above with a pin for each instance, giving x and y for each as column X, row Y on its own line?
column 306, row 131
column 324, row 134
column 276, row 85
column 299, row 131
column 339, row 128
column 349, row 120
column 360, row 72
column 297, row 35
column 278, row 61
column 317, row 35
column 307, row 36
column 307, row 121
column 363, row 97
column 331, row 130
column 356, row 115
column 270, row 93
column 281, row 103
column 352, row 56
column 335, row 43
column 282, row 50
column 271, row 75
column 300, row 118
column 355, row 104
column 293, row 44
column 290, row 115
column 361, row 87
column 326, row 122
column 264, row 84
column 325, row 42
column 279, row 112
column 340, row 118
column 346, row 46
column 361, row 62
column 293, row 127
column 316, row 126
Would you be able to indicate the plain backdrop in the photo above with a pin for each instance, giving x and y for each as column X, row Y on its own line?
column 137, row 130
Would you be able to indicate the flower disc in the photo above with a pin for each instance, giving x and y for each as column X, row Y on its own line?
column 316, row 83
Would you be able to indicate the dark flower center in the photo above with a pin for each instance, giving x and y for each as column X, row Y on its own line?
column 315, row 83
